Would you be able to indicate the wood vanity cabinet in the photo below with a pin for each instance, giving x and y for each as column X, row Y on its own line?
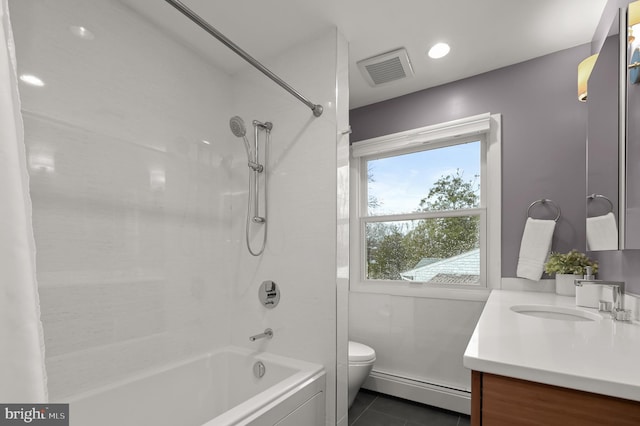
column 505, row 401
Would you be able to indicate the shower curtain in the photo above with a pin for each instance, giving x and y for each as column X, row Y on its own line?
column 22, row 371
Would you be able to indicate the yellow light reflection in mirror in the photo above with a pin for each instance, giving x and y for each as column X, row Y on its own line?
column 584, row 71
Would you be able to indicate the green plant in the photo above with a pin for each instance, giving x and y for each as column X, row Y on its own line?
column 573, row 262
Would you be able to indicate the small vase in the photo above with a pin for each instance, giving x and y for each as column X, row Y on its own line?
column 565, row 285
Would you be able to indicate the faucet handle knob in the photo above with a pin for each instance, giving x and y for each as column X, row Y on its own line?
column 604, row 306
column 621, row 314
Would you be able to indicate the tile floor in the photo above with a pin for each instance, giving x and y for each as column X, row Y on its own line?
column 375, row 409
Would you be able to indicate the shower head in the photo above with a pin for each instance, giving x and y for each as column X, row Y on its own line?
column 239, row 130
column 237, row 126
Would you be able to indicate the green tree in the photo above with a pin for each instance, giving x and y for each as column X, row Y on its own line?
column 451, row 193
column 387, row 257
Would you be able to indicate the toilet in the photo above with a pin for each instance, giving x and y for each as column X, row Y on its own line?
column 361, row 359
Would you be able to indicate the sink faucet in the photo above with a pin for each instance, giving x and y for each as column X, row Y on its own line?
column 618, row 312
column 268, row 333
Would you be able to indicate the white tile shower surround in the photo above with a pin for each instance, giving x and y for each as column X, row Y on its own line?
column 140, row 226
column 302, row 208
column 129, row 230
column 342, row 226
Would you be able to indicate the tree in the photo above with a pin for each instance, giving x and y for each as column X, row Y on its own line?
column 387, row 257
column 451, row 193
column 373, row 201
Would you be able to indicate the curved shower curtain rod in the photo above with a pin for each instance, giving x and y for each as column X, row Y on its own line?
column 317, row 109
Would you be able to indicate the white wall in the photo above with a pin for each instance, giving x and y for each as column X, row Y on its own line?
column 302, row 171
column 129, row 220
column 421, row 339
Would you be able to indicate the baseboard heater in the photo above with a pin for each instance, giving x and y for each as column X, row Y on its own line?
column 421, row 391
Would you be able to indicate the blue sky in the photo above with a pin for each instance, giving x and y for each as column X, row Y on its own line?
column 401, row 182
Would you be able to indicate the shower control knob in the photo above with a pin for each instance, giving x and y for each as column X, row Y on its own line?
column 269, row 294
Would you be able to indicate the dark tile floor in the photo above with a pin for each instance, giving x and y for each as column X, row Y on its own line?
column 376, row 409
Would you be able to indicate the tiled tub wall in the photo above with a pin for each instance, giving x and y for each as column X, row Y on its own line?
column 131, row 212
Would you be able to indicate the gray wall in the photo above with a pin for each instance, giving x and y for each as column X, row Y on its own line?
column 621, row 266
column 544, row 131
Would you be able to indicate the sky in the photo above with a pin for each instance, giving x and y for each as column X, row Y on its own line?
column 400, row 182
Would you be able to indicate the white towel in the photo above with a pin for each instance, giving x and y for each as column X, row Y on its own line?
column 602, row 232
column 534, row 248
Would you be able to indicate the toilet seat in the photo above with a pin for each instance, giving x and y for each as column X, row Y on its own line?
column 359, row 353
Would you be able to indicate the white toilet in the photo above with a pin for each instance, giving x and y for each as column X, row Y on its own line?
column 361, row 359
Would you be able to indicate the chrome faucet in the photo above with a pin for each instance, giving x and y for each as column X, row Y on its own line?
column 618, row 312
column 268, row 333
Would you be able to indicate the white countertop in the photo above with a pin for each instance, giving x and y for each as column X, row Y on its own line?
column 595, row 356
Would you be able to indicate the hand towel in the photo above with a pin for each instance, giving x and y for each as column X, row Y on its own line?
column 602, row 232
column 534, row 248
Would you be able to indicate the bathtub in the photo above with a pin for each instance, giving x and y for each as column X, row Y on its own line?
column 214, row 389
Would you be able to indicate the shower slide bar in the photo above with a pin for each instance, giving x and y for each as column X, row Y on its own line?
column 317, row 109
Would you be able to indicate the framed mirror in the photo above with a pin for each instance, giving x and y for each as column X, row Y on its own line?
column 630, row 184
column 604, row 140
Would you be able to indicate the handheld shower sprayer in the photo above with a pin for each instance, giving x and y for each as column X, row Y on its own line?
column 253, row 161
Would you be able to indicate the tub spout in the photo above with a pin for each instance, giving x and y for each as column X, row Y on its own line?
column 268, row 333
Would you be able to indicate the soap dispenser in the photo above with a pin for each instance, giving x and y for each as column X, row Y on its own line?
column 588, row 273
column 588, row 296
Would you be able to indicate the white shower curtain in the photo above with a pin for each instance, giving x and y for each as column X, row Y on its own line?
column 22, row 371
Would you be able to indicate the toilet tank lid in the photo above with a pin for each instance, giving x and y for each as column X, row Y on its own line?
column 360, row 352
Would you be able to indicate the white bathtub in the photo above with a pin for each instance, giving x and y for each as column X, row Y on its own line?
column 214, row 389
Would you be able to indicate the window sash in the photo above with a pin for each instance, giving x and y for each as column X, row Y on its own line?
column 481, row 212
column 365, row 218
column 392, row 152
column 423, row 215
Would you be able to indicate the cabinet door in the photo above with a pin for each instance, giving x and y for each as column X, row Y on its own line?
column 513, row 402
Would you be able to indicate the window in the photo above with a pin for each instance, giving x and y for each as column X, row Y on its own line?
column 425, row 202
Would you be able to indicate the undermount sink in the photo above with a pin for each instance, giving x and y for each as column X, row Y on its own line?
column 560, row 313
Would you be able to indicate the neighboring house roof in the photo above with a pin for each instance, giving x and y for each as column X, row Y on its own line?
column 461, row 269
column 427, row 261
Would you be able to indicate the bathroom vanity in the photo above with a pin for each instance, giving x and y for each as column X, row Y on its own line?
column 537, row 359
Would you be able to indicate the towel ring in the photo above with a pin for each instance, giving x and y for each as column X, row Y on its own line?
column 594, row 196
column 544, row 201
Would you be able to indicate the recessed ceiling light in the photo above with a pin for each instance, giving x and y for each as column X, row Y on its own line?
column 31, row 80
column 81, row 32
column 439, row 50
column 206, row 142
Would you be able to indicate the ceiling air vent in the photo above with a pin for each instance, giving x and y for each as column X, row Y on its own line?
column 386, row 67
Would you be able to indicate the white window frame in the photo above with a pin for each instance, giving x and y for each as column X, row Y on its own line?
column 485, row 128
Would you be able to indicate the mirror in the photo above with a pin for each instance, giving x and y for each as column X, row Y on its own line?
column 631, row 171
column 603, row 141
